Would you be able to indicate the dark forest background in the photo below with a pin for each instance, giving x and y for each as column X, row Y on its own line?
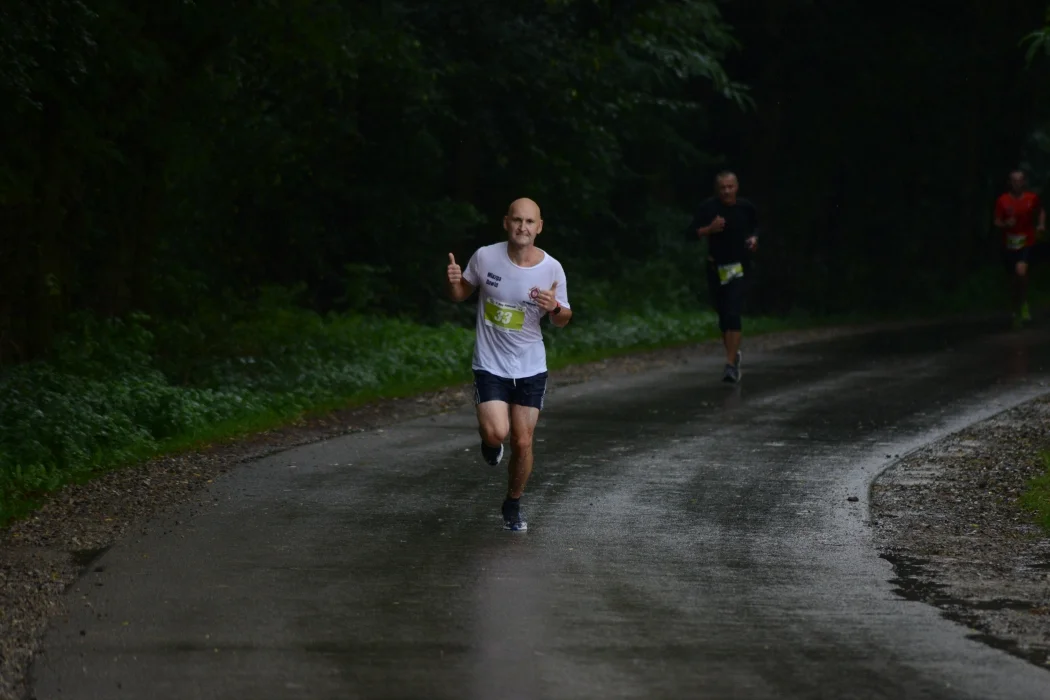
column 178, row 157
column 220, row 217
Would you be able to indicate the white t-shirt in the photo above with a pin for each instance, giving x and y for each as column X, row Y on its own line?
column 509, row 342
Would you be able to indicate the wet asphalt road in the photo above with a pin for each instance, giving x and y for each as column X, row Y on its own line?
column 687, row 539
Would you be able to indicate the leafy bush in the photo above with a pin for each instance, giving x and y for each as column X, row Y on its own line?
column 103, row 401
column 116, row 391
column 1036, row 498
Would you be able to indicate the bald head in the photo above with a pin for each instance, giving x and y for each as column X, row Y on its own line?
column 524, row 206
column 523, row 222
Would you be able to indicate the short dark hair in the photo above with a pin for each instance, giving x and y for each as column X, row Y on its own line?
column 724, row 174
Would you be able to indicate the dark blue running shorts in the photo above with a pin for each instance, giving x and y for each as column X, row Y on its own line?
column 521, row 392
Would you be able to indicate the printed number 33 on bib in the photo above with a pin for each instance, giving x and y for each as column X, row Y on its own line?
column 506, row 317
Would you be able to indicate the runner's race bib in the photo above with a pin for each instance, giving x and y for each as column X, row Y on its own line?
column 728, row 273
column 1016, row 241
column 505, row 317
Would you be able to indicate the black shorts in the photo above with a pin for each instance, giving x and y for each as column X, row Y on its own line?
column 1012, row 257
column 727, row 299
column 528, row 391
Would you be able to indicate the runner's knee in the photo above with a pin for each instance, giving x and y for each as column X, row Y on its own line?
column 521, row 443
column 493, row 434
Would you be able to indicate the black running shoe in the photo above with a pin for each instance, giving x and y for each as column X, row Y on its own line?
column 492, row 455
column 513, row 518
column 731, row 375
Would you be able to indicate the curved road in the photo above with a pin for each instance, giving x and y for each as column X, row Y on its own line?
column 687, row 539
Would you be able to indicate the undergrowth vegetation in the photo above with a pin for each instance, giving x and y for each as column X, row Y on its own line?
column 1037, row 498
column 116, row 391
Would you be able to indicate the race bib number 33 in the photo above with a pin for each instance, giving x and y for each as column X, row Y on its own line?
column 507, row 317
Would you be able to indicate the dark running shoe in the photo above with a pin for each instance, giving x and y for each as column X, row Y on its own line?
column 731, row 375
column 492, row 455
column 513, row 518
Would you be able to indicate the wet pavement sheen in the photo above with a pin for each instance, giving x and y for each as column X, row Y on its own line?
column 687, row 539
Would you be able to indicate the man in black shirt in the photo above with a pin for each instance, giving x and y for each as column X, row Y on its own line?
column 730, row 225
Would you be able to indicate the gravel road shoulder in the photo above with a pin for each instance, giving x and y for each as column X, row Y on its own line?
column 947, row 517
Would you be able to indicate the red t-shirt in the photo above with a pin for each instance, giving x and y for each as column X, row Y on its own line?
column 1023, row 210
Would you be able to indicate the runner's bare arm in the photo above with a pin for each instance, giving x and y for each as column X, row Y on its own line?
column 716, row 226
column 700, row 225
column 752, row 240
column 997, row 216
column 460, row 291
column 458, row 288
column 555, row 300
column 562, row 318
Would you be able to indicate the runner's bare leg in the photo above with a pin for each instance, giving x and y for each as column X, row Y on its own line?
column 522, row 427
column 731, row 339
column 493, row 422
column 1020, row 285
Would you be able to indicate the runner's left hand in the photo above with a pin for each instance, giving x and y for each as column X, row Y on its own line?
column 752, row 243
column 546, row 299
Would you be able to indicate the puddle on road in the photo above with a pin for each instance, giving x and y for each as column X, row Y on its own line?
column 912, row 582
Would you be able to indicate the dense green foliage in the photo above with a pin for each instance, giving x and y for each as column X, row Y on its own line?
column 170, row 154
column 1039, row 41
column 176, row 152
column 1036, row 158
column 1036, row 498
column 880, row 138
column 103, row 400
column 218, row 215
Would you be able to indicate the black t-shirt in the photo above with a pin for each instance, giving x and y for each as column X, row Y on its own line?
column 730, row 244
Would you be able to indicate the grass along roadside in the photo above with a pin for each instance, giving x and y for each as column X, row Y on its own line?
column 117, row 392
column 107, row 398
column 120, row 392
column 1036, row 498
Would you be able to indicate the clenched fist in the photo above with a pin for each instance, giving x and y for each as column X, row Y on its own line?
column 717, row 225
column 455, row 274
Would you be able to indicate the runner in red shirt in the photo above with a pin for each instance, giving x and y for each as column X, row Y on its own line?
column 1020, row 216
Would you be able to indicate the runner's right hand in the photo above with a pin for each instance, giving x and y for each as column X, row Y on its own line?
column 717, row 225
column 455, row 274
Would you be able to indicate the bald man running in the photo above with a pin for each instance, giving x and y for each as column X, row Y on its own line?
column 520, row 284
